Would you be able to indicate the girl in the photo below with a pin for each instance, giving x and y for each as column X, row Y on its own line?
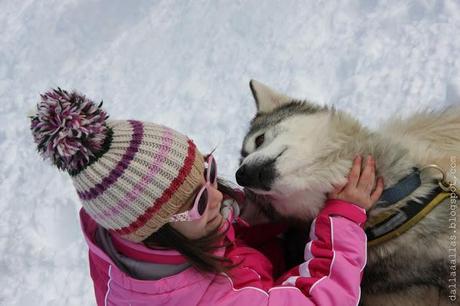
column 160, row 232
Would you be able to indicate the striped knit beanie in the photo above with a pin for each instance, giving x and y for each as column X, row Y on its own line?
column 131, row 176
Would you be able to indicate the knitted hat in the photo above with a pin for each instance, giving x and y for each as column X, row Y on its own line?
column 131, row 176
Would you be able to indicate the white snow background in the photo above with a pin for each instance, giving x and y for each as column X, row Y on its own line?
column 187, row 64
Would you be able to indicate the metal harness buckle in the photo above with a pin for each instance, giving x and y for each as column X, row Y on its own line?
column 445, row 185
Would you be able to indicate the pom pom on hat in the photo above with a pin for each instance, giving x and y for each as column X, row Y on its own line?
column 69, row 129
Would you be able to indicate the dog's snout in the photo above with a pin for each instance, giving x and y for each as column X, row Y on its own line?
column 246, row 177
column 241, row 175
column 256, row 176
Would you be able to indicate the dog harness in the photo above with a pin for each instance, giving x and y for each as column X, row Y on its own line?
column 390, row 224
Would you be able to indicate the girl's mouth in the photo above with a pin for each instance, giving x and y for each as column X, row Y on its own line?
column 214, row 219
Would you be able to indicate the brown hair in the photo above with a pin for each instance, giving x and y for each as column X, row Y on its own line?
column 198, row 251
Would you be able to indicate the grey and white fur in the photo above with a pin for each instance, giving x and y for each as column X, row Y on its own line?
column 295, row 151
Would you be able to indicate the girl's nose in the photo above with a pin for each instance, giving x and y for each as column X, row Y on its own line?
column 216, row 197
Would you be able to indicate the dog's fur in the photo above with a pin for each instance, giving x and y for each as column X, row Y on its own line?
column 306, row 149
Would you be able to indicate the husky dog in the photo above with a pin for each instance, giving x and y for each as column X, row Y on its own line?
column 296, row 151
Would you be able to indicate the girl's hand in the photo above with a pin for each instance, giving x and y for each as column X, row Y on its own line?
column 360, row 185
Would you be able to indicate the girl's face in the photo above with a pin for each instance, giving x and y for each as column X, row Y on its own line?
column 210, row 220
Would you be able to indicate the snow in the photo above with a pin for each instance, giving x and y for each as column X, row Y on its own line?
column 187, row 64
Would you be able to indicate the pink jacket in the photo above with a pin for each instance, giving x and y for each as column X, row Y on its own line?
column 331, row 274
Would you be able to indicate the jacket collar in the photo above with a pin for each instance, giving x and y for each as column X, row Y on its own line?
column 137, row 250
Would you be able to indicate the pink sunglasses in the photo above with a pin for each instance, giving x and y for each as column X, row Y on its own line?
column 202, row 197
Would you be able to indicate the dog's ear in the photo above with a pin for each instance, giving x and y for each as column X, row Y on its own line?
column 266, row 98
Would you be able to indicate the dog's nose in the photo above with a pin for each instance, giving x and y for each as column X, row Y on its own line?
column 241, row 176
column 260, row 176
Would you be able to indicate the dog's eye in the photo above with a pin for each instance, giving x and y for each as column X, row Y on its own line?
column 260, row 140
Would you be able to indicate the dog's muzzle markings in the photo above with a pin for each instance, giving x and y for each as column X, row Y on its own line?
column 259, row 176
column 388, row 225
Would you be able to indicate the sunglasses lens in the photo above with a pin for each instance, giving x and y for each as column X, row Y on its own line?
column 203, row 202
column 212, row 171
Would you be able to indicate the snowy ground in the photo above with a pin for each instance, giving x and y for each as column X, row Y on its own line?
column 187, row 64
